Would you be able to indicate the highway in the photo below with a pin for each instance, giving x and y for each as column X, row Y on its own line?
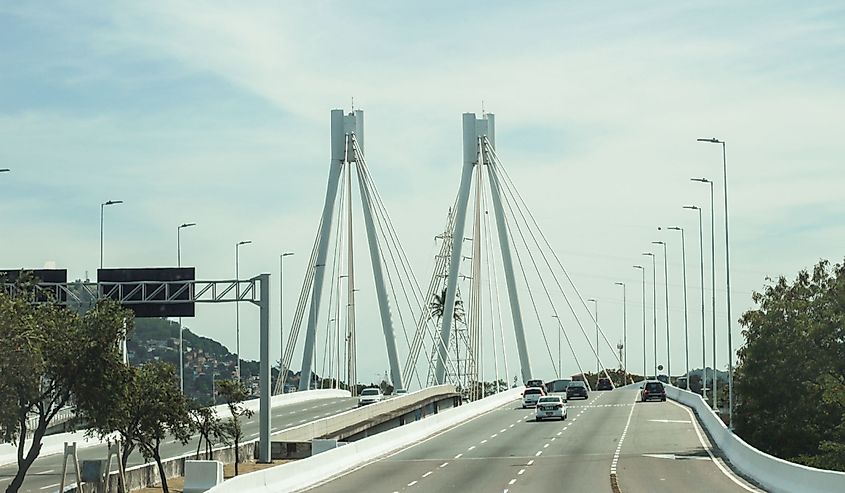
column 45, row 473
column 507, row 450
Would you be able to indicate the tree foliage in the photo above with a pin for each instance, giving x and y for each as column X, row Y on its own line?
column 145, row 409
column 790, row 381
column 209, row 426
column 51, row 357
column 234, row 393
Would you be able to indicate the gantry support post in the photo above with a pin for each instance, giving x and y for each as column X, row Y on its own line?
column 337, row 159
column 264, row 370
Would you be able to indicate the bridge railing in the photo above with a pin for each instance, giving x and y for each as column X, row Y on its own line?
column 774, row 474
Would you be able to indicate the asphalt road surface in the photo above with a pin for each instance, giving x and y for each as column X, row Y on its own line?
column 45, row 473
column 506, row 450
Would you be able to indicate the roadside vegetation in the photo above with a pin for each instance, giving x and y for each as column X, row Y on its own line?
column 790, row 381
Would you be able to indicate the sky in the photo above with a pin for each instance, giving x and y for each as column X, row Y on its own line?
column 218, row 113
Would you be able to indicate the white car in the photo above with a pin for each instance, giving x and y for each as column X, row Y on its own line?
column 531, row 395
column 550, row 406
column 370, row 396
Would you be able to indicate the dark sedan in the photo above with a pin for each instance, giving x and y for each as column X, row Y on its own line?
column 576, row 389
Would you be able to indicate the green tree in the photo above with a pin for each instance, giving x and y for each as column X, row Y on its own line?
column 209, row 426
column 790, row 381
column 234, row 393
column 51, row 357
column 144, row 411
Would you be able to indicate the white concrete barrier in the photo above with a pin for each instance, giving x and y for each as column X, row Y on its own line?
column 54, row 444
column 774, row 474
column 202, row 475
column 305, row 473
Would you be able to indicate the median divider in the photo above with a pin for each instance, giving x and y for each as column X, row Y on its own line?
column 772, row 473
column 308, row 472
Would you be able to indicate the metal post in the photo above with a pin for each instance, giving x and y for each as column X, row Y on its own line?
column 645, row 363
column 654, row 304
column 596, row 319
column 666, row 290
column 624, row 333
column 337, row 160
column 703, row 323
column 179, row 264
column 728, row 281
column 686, row 311
column 264, row 416
column 102, row 209
column 282, row 318
column 237, row 307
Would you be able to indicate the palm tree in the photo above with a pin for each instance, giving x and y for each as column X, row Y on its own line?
column 438, row 305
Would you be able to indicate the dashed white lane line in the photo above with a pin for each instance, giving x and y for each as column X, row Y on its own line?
column 471, row 448
column 494, row 435
column 444, row 464
column 539, row 452
column 520, row 472
column 427, row 474
column 546, row 445
column 459, row 456
column 48, row 471
column 412, row 483
column 511, row 426
column 503, row 430
column 619, row 445
column 554, row 438
column 48, row 486
column 483, row 441
column 512, row 481
column 531, row 462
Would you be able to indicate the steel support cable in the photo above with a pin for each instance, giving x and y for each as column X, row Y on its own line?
column 522, row 268
column 383, row 219
column 423, row 319
column 296, row 324
column 381, row 249
column 488, row 249
column 335, row 270
column 511, row 186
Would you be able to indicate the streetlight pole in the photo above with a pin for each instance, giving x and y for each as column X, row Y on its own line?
column 686, row 309
column 712, row 286
column 728, row 282
column 179, row 264
column 701, row 255
column 666, row 283
column 654, row 305
column 237, row 306
column 596, row 312
column 559, row 330
column 624, row 333
column 645, row 351
column 102, row 213
column 282, row 319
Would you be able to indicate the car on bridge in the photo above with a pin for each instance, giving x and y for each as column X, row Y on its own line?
column 550, row 406
column 536, row 383
column 604, row 384
column 652, row 391
column 576, row 388
column 531, row 395
column 370, row 396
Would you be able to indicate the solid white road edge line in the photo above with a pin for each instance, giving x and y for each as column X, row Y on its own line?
column 727, row 472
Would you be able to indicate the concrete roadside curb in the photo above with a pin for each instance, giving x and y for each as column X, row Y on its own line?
column 317, row 469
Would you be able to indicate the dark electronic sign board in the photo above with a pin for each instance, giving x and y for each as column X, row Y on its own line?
column 57, row 276
column 151, row 275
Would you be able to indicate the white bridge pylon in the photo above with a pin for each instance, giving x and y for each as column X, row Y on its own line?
column 347, row 152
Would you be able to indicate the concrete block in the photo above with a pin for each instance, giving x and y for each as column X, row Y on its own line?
column 319, row 445
column 94, row 470
column 202, row 475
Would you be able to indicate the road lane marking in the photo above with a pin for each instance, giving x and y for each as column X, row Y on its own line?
column 48, row 471
column 483, row 441
column 412, row 483
column 520, row 472
column 444, row 464
column 538, row 453
column 546, row 445
column 503, row 430
column 669, row 421
column 512, row 481
column 554, row 438
column 49, row 486
column 472, row 447
column 531, row 462
column 727, row 472
column 619, row 448
column 494, row 435
column 427, row 474
column 675, row 457
column 459, row 456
